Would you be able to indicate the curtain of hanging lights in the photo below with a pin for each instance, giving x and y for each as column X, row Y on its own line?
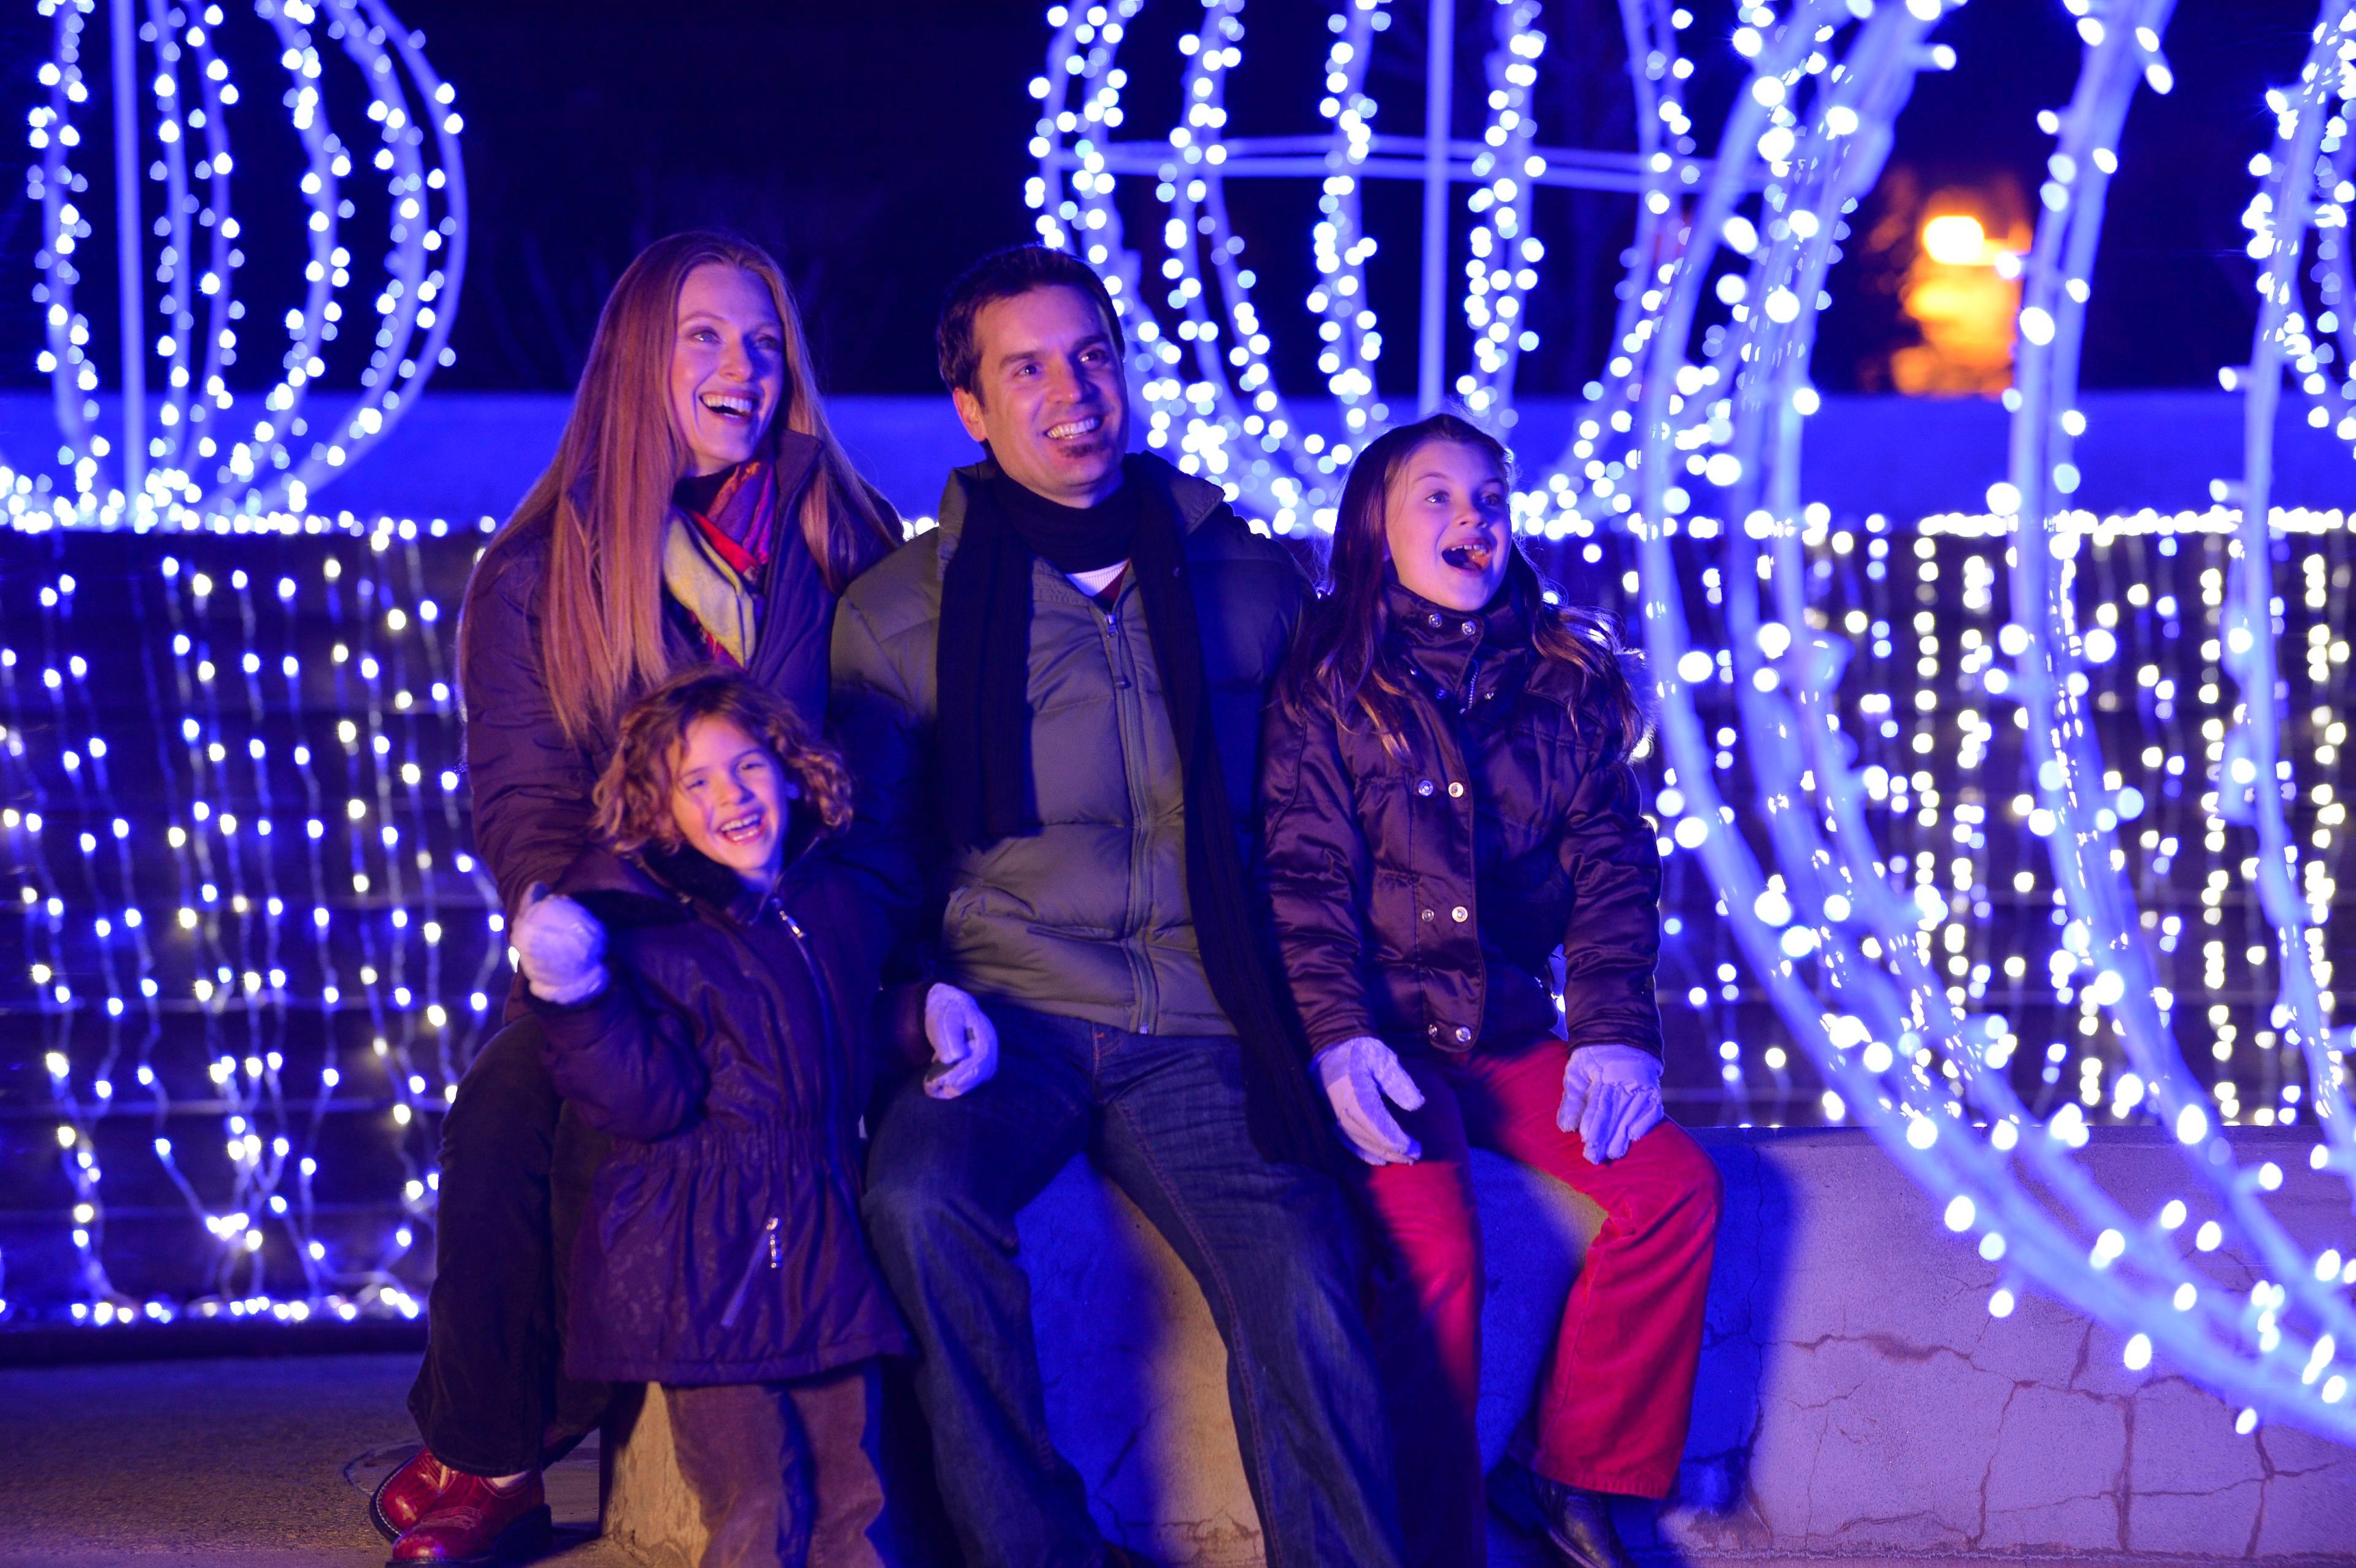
column 1846, row 952
column 257, row 871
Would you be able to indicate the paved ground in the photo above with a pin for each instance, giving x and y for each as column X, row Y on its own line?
column 241, row 1462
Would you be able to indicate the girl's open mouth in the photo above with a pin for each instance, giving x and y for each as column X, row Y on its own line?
column 746, row 829
column 1473, row 556
column 728, row 405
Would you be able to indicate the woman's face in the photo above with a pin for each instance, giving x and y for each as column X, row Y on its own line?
column 1446, row 524
column 728, row 799
column 727, row 366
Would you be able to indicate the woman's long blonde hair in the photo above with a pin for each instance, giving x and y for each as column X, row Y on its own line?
column 606, row 496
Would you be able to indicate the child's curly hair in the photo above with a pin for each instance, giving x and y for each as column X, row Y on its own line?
column 633, row 797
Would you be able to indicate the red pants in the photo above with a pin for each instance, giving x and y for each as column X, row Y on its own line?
column 1618, row 1386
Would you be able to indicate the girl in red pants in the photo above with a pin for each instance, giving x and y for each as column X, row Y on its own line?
column 1449, row 806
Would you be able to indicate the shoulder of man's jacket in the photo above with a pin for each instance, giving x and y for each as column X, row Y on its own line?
column 1214, row 530
column 901, row 592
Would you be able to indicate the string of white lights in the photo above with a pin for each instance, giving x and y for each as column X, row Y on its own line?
column 2144, row 1286
column 218, row 977
column 1228, row 420
column 271, row 466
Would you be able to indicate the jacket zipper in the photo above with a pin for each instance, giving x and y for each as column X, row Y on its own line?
column 1128, row 703
column 765, row 1248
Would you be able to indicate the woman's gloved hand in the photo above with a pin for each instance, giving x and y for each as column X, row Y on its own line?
column 1357, row 1074
column 964, row 1042
column 559, row 946
column 1610, row 1097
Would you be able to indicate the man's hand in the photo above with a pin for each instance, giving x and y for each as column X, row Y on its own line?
column 559, row 946
column 1357, row 1074
column 964, row 1042
column 1610, row 1097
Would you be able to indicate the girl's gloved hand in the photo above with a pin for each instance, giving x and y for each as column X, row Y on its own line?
column 559, row 946
column 1610, row 1097
column 1357, row 1074
column 964, row 1042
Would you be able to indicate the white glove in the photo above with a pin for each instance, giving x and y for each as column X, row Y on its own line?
column 1358, row 1074
column 964, row 1042
column 559, row 948
column 1610, row 1097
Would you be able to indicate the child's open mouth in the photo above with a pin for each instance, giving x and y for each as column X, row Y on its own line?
column 1472, row 557
column 746, row 829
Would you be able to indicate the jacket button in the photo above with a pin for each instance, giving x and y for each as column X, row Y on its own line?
column 1427, row 915
column 1464, row 1034
column 1469, row 627
column 1431, row 1030
column 1423, row 786
column 1460, row 914
column 1456, row 791
column 1435, row 617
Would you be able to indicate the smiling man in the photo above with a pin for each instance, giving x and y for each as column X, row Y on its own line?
column 1052, row 709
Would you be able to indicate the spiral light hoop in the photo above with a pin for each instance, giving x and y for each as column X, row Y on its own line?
column 160, row 477
column 2125, row 51
column 1229, row 422
column 2141, row 1285
column 2311, row 196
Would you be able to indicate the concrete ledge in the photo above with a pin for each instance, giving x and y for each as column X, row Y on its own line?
column 1857, row 1401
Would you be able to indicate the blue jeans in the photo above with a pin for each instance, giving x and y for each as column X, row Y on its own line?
column 1162, row 1115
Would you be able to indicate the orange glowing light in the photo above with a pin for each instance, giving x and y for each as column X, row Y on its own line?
column 1956, row 239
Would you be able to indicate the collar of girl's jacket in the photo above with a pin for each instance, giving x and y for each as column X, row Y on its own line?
column 1441, row 642
column 653, row 885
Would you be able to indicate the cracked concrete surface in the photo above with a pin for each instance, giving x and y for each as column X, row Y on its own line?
column 1857, row 1401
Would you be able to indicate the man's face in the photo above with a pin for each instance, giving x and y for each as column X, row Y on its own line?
column 1048, row 395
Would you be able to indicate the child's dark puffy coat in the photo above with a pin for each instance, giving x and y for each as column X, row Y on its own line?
column 1420, row 898
column 728, row 1057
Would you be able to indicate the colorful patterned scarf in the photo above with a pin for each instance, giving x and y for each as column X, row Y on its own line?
column 716, row 555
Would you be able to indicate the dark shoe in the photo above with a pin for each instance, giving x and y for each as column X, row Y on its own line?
column 474, row 1524
column 1576, row 1524
column 401, row 1498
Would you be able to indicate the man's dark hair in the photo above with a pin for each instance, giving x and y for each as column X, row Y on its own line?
column 1004, row 274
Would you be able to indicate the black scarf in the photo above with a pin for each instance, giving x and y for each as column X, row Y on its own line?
column 983, row 674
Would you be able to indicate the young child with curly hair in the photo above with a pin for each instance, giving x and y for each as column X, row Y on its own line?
column 704, row 977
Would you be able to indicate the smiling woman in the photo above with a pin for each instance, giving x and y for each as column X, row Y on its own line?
column 727, row 365
column 662, row 537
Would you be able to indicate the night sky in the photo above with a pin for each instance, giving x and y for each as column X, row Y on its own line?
column 877, row 148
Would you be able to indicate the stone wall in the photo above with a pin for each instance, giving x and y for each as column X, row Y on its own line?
column 1856, row 1400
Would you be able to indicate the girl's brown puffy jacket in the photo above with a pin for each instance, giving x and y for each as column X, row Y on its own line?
column 1420, row 898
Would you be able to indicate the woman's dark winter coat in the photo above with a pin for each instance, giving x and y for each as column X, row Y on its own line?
column 530, row 782
column 727, row 1058
column 1420, row 898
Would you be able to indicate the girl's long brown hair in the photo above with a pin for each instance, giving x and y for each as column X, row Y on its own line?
column 1338, row 663
column 606, row 496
